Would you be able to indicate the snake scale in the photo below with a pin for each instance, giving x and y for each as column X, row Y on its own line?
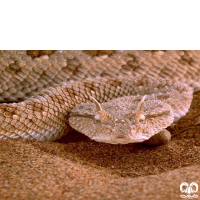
column 111, row 96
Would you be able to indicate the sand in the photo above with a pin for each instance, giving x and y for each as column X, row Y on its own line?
column 76, row 167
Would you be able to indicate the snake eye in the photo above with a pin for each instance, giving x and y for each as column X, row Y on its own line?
column 142, row 117
column 97, row 117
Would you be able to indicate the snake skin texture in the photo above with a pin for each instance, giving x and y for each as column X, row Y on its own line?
column 45, row 86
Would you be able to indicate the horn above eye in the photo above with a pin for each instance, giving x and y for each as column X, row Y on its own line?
column 141, row 103
column 98, row 106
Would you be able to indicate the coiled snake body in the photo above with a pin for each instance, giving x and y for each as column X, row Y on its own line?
column 111, row 96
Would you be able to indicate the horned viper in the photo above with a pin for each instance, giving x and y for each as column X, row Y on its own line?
column 111, row 96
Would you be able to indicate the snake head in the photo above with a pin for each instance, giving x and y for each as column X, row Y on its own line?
column 124, row 120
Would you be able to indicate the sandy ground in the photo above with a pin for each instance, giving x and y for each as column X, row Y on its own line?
column 76, row 167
